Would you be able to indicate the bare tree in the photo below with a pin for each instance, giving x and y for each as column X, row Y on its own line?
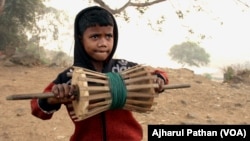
column 147, row 3
column 142, row 5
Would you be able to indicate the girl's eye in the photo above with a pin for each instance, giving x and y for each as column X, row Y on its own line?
column 94, row 36
column 109, row 36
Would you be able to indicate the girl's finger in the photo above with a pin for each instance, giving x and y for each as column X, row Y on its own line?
column 66, row 88
column 71, row 91
column 61, row 91
column 55, row 90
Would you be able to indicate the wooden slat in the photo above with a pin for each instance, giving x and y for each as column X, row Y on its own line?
column 138, row 79
column 99, row 96
column 135, row 74
column 98, row 104
column 95, row 88
column 96, row 111
column 140, row 87
column 140, row 94
column 143, row 102
column 101, row 81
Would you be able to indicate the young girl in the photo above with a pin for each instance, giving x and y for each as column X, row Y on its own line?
column 96, row 37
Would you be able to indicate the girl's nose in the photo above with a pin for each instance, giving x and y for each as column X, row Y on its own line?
column 102, row 42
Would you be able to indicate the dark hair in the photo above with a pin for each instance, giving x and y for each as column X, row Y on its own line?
column 94, row 17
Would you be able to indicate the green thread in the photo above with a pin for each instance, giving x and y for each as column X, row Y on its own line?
column 117, row 89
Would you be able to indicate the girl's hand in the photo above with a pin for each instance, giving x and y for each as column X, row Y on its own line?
column 161, row 83
column 63, row 93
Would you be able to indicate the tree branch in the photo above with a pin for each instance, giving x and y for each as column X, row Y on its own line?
column 245, row 4
column 129, row 3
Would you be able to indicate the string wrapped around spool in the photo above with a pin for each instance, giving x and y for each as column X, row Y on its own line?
column 132, row 89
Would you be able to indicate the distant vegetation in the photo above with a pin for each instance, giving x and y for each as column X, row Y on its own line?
column 237, row 73
column 34, row 56
column 189, row 53
column 26, row 23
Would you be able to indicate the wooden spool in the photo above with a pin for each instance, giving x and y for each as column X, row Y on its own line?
column 94, row 94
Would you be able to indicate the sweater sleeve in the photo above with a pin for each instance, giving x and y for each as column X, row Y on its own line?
column 162, row 74
column 41, row 109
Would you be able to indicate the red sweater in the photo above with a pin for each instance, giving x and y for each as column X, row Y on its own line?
column 111, row 125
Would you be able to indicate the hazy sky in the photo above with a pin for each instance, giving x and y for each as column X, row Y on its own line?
column 224, row 23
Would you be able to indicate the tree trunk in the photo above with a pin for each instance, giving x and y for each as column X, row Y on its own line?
column 2, row 2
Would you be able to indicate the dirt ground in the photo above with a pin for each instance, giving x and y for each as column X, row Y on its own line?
column 205, row 102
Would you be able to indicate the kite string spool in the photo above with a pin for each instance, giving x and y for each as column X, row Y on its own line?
column 132, row 89
column 117, row 89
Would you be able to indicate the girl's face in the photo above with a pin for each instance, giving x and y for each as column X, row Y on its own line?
column 98, row 42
